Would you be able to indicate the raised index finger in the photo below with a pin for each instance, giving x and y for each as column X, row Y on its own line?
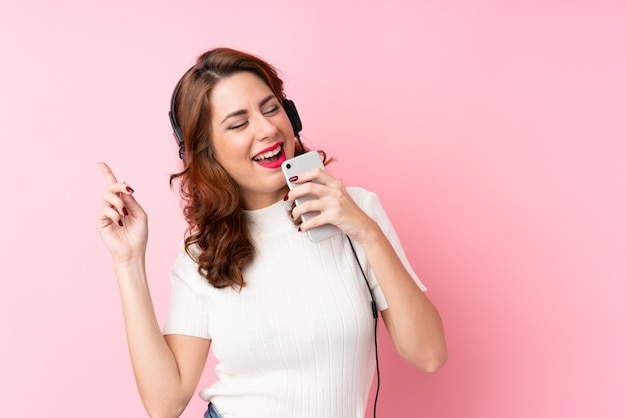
column 107, row 173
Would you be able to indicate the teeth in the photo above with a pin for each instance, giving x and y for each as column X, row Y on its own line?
column 268, row 154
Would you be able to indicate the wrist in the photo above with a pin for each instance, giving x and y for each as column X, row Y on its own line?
column 131, row 266
column 372, row 235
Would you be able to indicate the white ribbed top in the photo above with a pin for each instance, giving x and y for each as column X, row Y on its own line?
column 297, row 341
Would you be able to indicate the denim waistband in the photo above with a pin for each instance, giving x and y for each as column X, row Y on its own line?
column 211, row 412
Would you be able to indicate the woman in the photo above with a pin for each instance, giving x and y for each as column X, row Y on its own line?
column 288, row 319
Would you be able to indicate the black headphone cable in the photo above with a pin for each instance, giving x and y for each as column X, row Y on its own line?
column 375, row 314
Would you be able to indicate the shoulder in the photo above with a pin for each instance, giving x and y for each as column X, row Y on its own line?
column 185, row 266
column 360, row 194
column 367, row 200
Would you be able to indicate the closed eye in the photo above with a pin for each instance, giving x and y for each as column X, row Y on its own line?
column 272, row 110
column 267, row 110
column 237, row 125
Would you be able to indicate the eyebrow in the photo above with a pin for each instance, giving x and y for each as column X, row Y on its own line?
column 243, row 111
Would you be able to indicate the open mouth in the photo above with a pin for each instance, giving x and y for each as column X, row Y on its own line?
column 269, row 156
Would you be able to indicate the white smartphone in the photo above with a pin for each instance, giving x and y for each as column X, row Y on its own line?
column 295, row 167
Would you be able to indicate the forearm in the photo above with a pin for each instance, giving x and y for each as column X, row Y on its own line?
column 154, row 365
column 412, row 320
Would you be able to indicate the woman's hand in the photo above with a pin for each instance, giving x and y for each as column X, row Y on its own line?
column 122, row 223
column 335, row 205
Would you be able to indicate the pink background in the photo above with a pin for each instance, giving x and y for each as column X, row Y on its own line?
column 494, row 133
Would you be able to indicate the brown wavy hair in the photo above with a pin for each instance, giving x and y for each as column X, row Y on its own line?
column 213, row 205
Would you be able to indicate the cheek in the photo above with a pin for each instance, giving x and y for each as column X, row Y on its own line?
column 290, row 147
column 290, row 139
column 226, row 158
column 229, row 147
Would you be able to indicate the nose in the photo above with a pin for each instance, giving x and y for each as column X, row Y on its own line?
column 266, row 128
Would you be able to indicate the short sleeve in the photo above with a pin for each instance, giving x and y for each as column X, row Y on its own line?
column 188, row 314
column 369, row 202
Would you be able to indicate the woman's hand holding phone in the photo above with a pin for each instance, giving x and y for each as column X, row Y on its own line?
column 322, row 200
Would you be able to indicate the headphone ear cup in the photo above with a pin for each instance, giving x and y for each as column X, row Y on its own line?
column 294, row 118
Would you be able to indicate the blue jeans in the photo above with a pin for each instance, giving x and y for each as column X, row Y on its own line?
column 212, row 412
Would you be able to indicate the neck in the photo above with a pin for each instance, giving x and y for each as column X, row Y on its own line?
column 263, row 200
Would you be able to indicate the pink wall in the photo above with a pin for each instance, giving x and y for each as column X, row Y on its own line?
column 494, row 134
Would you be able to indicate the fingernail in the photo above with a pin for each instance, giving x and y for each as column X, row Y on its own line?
column 125, row 211
column 129, row 189
column 286, row 196
column 292, row 179
column 120, row 223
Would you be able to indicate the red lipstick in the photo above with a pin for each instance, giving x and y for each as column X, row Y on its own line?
column 274, row 161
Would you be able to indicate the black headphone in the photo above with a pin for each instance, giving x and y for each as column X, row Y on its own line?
column 288, row 105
